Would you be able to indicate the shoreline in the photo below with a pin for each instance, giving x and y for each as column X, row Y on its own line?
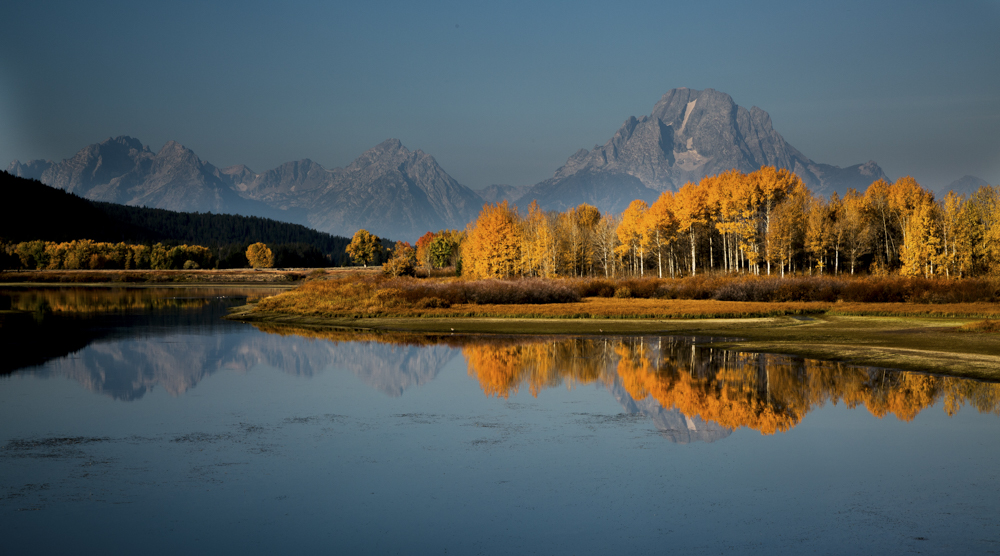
column 928, row 344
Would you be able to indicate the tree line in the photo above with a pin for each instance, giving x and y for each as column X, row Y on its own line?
column 762, row 222
column 87, row 254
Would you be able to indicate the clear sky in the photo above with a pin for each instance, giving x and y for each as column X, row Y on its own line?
column 499, row 92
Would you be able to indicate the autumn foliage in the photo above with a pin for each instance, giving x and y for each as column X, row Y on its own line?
column 85, row 254
column 764, row 223
column 259, row 256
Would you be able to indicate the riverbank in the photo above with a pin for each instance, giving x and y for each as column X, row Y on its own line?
column 925, row 338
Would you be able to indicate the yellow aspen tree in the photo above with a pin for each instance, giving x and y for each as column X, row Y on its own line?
column 729, row 199
column 905, row 197
column 630, row 234
column 492, row 248
column 606, row 243
column 855, row 227
column 835, row 209
column 879, row 209
column 587, row 219
column 819, row 230
column 784, row 232
column 660, row 227
column 986, row 217
column 690, row 209
column 952, row 208
column 538, row 243
column 259, row 256
column 710, row 186
column 770, row 186
column 364, row 248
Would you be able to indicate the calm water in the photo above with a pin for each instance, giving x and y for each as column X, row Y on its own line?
column 138, row 421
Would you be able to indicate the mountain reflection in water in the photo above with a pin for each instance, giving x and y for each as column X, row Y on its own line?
column 711, row 390
column 137, row 340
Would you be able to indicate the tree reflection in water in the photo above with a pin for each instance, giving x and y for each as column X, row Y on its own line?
column 764, row 392
column 767, row 393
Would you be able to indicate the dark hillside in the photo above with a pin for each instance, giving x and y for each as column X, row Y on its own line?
column 33, row 210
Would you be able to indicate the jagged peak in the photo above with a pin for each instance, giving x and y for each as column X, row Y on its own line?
column 870, row 168
column 174, row 148
column 126, row 141
column 170, row 145
column 301, row 162
column 237, row 169
column 389, row 145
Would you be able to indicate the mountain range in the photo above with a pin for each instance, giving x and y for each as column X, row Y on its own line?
column 398, row 193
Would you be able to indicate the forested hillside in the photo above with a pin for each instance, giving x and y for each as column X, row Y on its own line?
column 36, row 211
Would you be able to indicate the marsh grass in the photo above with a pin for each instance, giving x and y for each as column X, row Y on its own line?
column 710, row 296
column 988, row 326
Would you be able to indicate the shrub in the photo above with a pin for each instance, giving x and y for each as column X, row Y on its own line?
column 403, row 261
column 623, row 292
column 432, row 303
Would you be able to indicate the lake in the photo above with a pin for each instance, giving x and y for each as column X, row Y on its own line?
column 139, row 421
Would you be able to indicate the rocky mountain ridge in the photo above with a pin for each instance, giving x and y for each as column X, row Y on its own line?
column 401, row 194
column 122, row 170
column 689, row 134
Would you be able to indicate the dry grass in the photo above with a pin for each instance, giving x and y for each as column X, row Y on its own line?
column 722, row 287
column 988, row 326
column 371, row 295
column 967, row 310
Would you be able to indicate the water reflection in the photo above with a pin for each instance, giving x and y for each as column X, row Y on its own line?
column 41, row 324
column 764, row 392
column 767, row 393
column 138, row 340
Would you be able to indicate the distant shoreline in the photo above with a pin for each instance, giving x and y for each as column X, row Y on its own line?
column 270, row 277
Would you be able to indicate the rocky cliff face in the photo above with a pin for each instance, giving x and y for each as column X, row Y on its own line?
column 689, row 135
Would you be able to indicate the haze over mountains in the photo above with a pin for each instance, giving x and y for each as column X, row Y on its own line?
column 401, row 194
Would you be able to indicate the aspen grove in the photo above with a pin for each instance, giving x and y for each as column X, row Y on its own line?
column 763, row 222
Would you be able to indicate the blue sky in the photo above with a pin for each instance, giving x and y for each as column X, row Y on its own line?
column 499, row 92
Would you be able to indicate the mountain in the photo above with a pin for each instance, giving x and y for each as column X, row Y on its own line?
column 498, row 193
column 965, row 185
column 689, row 134
column 388, row 190
column 401, row 194
column 122, row 170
